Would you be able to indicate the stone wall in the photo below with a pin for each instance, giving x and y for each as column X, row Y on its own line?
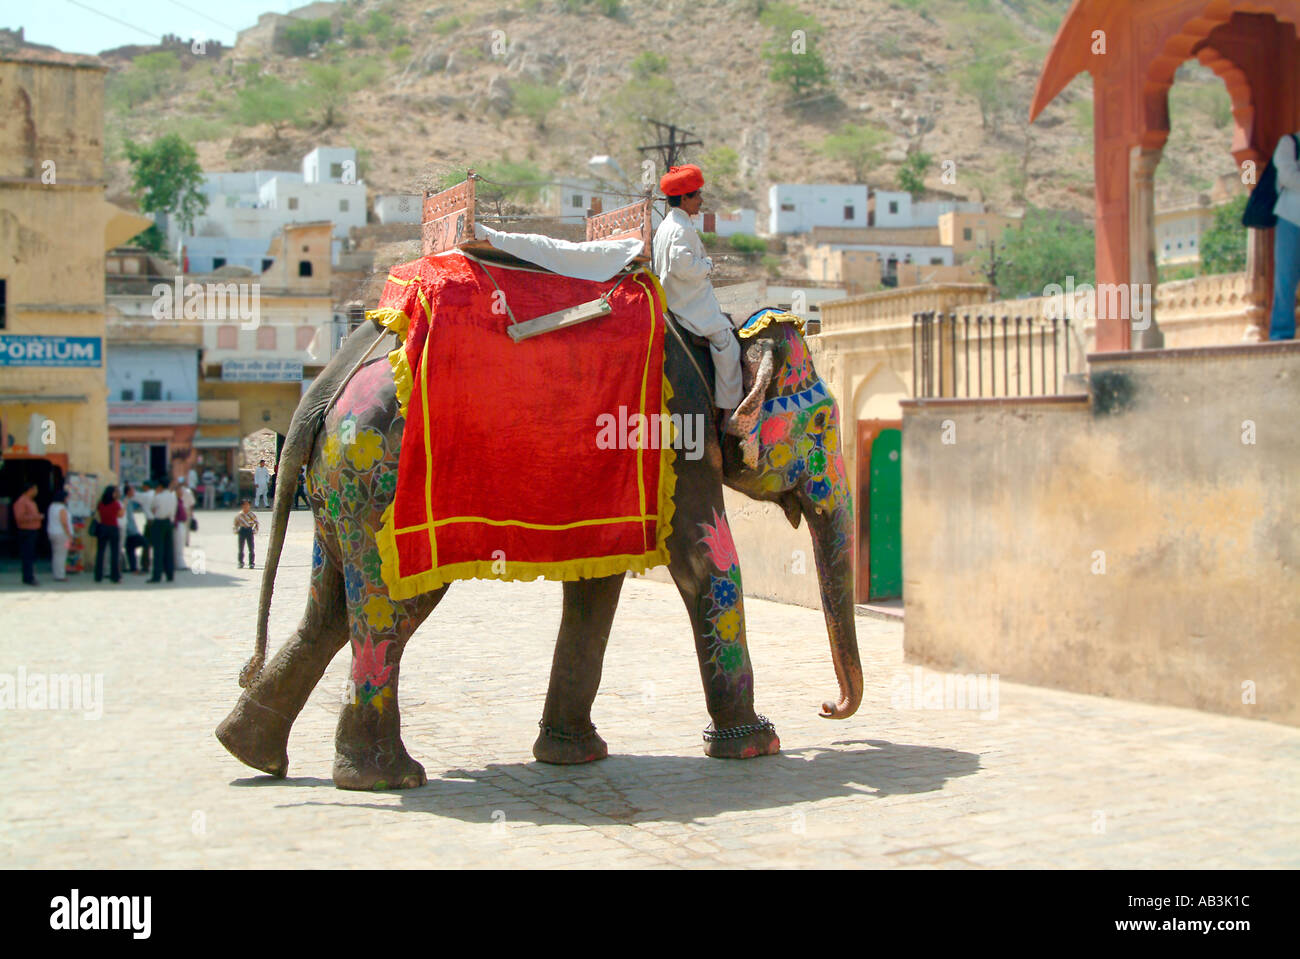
column 1139, row 542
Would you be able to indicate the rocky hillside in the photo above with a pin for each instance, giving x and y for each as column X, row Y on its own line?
column 532, row 89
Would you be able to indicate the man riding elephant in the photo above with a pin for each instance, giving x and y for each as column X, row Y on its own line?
column 684, row 270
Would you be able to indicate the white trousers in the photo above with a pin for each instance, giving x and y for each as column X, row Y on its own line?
column 180, row 534
column 59, row 556
column 728, row 385
column 259, row 498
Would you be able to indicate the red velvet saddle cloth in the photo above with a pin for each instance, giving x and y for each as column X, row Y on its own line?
column 506, row 469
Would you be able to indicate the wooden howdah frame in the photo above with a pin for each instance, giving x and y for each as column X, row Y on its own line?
column 448, row 224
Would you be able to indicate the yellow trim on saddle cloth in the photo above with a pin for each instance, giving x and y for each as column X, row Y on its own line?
column 775, row 317
column 591, row 567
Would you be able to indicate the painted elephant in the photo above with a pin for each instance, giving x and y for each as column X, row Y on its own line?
column 799, row 464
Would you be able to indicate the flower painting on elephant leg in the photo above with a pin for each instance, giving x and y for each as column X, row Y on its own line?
column 725, row 617
column 370, row 673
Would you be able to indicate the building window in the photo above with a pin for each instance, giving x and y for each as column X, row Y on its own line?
column 266, row 263
column 293, row 203
column 356, row 316
column 343, row 206
column 304, row 267
column 893, row 206
column 3, row 302
column 231, row 199
column 218, row 262
column 966, row 234
column 787, row 207
column 151, row 391
column 128, row 396
column 848, row 213
column 936, row 261
column 576, row 201
column 336, row 171
column 227, row 337
column 266, row 337
column 305, row 336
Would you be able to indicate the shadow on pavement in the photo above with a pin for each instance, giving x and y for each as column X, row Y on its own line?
column 673, row 788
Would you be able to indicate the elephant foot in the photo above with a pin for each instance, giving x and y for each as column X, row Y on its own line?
column 742, row 742
column 257, row 736
column 386, row 766
column 561, row 748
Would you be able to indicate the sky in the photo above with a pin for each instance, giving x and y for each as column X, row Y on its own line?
column 89, row 26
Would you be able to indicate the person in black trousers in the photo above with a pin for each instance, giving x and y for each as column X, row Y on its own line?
column 107, row 536
column 164, row 542
column 301, row 492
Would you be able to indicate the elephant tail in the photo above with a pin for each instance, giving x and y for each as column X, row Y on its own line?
column 298, row 446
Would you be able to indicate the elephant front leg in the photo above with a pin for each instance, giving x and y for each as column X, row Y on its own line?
column 567, row 734
column 369, row 753
column 706, row 569
column 257, row 730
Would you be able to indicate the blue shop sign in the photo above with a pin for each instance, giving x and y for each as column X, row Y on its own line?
column 18, row 350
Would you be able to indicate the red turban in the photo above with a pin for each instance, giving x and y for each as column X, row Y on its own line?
column 681, row 180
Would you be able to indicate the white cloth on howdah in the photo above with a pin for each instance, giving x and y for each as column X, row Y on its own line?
column 683, row 269
column 597, row 260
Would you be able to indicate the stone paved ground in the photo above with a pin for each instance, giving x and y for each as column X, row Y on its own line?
column 1055, row 779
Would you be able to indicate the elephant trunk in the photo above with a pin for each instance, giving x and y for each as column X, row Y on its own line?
column 832, row 536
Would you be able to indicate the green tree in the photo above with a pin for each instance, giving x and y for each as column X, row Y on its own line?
column 1223, row 247
column 859, row 146
column 985, row 80
column 327, row 89
column 149, row 75
column 301, row 34
column 268, row 100
column 1045, row 248
column 722, row 169
column 791, row 53
column 648, row 63
column 536, row 101
column 165, row 178
column 912, row 176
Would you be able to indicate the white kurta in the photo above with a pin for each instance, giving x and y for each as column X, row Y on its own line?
column 684, row 270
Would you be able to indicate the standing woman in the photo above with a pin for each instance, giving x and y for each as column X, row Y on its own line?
column 1286, row 238
column 59, row 529
column 181, row 531
column 108, row 536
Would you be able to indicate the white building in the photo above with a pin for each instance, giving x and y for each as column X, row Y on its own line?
column 569, row 200
column 731, row 223
column 798, row 207
column 399, row 207
column 246, row 209
column 897, row 209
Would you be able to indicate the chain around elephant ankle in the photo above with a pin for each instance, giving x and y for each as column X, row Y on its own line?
column 764, row 725
column 551, row 732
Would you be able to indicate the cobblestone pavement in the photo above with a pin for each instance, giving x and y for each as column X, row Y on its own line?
column 1055, row 779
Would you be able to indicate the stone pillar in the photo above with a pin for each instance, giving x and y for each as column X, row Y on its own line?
column 1143, row 272
column 1259, row 284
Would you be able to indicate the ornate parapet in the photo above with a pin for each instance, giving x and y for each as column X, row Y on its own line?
column 889, row 307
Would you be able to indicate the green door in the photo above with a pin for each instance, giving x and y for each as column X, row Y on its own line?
column 886, row 542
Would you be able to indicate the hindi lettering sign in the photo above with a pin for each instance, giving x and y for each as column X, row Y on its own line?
column 20, row 350
column 262, row 371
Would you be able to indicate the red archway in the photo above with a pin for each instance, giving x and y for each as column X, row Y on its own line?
column 1132, row 51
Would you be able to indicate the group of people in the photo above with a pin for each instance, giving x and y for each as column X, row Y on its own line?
column 148, row 526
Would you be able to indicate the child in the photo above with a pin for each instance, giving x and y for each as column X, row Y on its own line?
column 246, row 526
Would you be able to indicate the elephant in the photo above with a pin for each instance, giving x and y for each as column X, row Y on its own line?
column 799, row 466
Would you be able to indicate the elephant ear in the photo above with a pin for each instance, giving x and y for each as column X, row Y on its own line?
column 746, row 421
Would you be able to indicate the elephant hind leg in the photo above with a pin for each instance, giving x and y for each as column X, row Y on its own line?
column 368, row 748
column 257, row 730
column 567, row 735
